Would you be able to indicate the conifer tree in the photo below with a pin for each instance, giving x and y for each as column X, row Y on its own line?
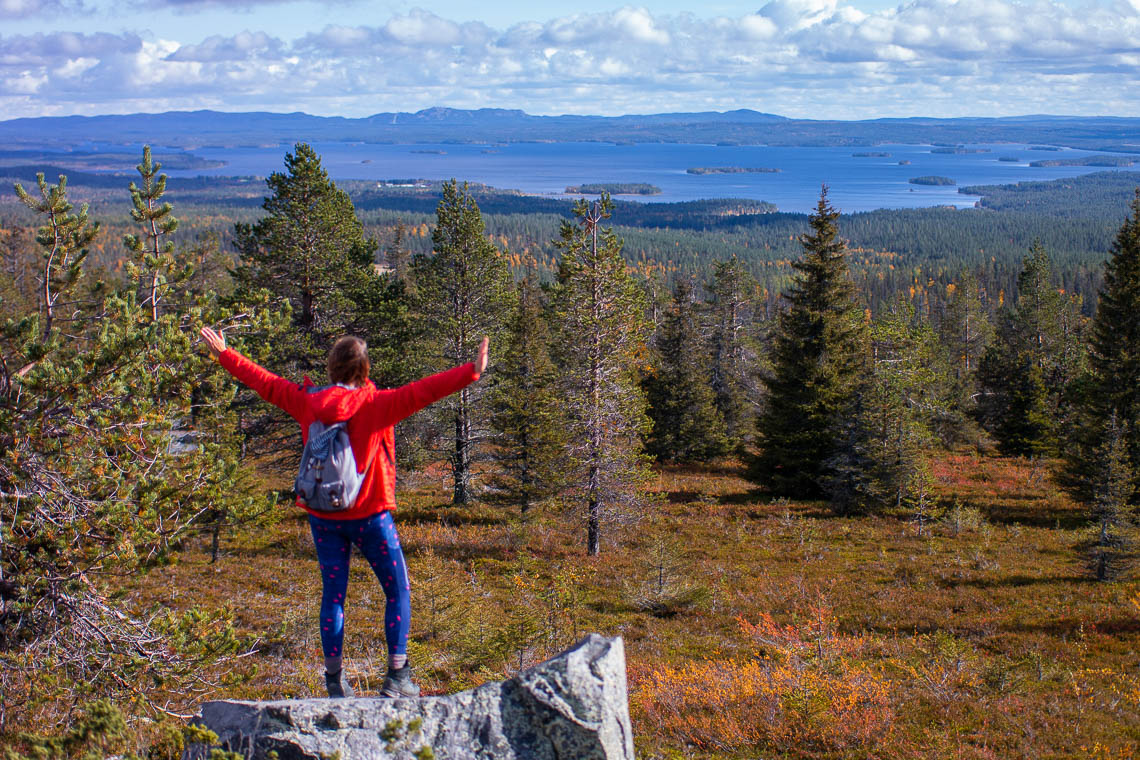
column 310, row 252
column 154, row 263
column 463, row 291
column 598, row 315
column 64, row 238
column 687, row 426
column 310, row 249
column 95, row 484
column 396, row 255
column 1027, row 372
column 528, row 416
column 818, row 356
column 883, row 457
column 966, row 328
column 734, row 351
column 1112, row 387
column 1111, row 550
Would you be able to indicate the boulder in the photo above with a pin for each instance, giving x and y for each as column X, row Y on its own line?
column 571, row 707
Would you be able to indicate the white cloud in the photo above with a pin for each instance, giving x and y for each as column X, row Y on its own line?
column 237, row 48
column 15, row 9
column 800, row 57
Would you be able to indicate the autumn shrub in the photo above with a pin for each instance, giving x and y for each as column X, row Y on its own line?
column 803, row 692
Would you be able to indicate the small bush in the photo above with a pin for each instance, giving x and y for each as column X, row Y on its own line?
column 802, row 693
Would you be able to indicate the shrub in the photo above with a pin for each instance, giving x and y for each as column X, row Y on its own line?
column 802, row 692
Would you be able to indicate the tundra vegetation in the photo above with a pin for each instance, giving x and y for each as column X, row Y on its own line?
column 828, row 524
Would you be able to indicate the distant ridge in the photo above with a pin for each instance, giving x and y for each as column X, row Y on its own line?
column 190, row 129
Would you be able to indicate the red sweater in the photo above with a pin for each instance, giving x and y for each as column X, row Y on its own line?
column 370, row 412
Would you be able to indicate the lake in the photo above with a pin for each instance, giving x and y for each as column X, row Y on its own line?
column 857, row 183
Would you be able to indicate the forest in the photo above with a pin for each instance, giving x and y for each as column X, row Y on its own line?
column 848, row 486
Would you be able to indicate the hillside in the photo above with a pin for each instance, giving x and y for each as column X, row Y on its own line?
column 188, row 130
column 958, row 640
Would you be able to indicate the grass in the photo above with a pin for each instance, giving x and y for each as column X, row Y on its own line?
column 790, row 632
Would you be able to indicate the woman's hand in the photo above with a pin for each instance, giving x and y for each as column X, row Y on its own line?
column 214, row 341
column 481, row 359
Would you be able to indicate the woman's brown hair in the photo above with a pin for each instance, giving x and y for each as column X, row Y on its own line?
column 348, row 361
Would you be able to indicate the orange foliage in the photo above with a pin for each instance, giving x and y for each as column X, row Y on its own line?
column 801, row 693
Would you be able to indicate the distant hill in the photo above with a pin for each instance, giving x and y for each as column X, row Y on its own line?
column 190, row 129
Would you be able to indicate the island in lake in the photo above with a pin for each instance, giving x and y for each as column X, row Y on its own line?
column 615, row 188
column 1116, row 161
column 931, row 179
column 731, row 170
column 1011, row 159
column 959, row 150
column 871, row 154
column 904, row 162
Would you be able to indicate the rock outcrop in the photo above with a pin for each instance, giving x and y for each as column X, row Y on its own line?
column 572, row 707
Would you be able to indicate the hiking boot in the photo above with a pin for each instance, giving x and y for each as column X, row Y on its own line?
column 398, row 683
column 337, row 685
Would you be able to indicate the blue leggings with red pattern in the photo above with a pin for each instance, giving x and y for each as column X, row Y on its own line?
column 376, row 540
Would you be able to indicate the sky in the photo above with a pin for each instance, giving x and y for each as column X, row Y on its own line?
column 820, row 59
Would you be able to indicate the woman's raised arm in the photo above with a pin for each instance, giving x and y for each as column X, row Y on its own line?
column 391, row 406
column 276, row 390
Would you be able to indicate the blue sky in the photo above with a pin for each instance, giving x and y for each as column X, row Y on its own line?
column 805, row 58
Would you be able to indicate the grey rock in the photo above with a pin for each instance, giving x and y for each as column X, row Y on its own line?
column 571, row 707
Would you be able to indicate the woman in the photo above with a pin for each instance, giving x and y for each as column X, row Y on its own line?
column 368, row 524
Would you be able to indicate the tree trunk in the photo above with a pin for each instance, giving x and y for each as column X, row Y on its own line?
column 593, row 539
column 462, row 459
column 216, row 538
column 306, row 308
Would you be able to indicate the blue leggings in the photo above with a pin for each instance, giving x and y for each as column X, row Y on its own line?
column 375, row 538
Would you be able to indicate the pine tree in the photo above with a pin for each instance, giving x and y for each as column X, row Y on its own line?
column 687, row 427
column 734, row 349
column 600, row 329
column 153, row 262
column 1112, row 549
column 965, row 330
column 96, row 484
column 310, row 249
column 64, row 239
column 463, row 291
column 818, row 356
column 310, row 252
column 396, row 255
column 528, row 417
column 1112, row 387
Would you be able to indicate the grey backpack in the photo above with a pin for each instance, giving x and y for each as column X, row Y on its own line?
column 327, row 480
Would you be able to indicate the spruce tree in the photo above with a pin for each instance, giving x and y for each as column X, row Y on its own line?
column 882, row 458
column 598, row 315
column 818, row 356
column 1111, row 550
column 528, row 416
column 966, row 328
column 1027, row 373
column 463, row 291
column 1112, row 387
column 687, row 427
column 735, row 355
